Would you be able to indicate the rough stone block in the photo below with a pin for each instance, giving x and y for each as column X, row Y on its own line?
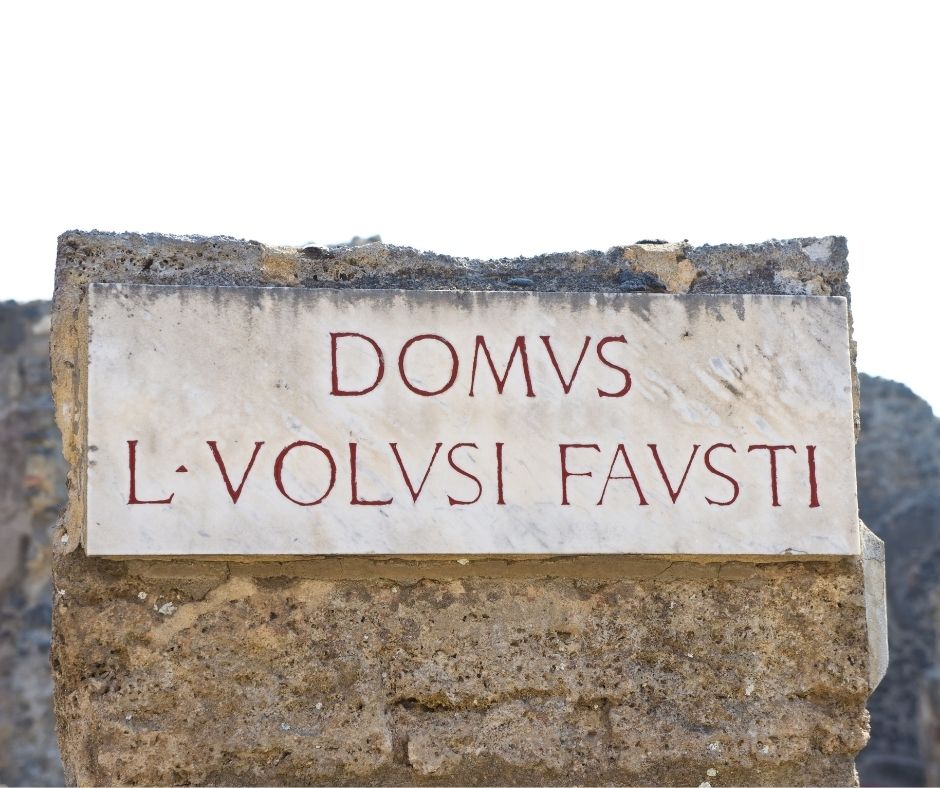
column 613, row 669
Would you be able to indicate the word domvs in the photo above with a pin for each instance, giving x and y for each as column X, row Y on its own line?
column 420, row 343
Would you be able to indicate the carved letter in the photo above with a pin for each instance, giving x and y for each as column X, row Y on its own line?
column 565, row 473
column 772, row 451
column 415, row 493
column 499, row 475
column 813, row 490
column 622, row 452
column 450, row 458
column 627, row 380
column 234, row 493
column 714, row 470
column 566, row 386
column 279, row 470
column 518, row 346
column 356, row 500
column 132, row 467
column 453, row 366
column 336, row 390
column 673, row 494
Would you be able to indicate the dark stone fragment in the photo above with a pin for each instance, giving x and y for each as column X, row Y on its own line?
column 316, row 252
column 632, row 282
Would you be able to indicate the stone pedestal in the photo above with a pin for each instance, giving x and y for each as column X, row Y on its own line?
column 659, row 669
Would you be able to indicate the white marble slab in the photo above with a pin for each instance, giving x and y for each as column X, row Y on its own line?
column 179, row 375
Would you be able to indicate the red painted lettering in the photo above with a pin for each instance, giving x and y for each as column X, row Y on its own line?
column 234, row 493
column 415, row 493
column 565, row 473
column 813, row 489
column 353, row 474
column 627, row 380
column 772, row 452
column 453, row 365
column 132, row 467
column 336, row 391
column 673, row 494
column 279, row 471
column 518, row 347
column 622, row 452
column 565, row 385
column 499, row 474
column 450, row 458
column 714, row 470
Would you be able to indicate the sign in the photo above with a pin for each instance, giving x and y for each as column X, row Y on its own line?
column 288, row 421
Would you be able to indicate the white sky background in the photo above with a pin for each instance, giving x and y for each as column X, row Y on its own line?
column 487, row 130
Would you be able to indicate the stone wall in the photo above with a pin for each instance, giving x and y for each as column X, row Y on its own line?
column 32, row 494
column 343, row 670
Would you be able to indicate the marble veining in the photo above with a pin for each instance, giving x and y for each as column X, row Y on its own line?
column 283, row 421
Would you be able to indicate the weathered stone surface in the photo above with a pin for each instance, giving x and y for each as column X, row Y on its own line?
column 811, row 266
column 575, row 670
column 898, row 458
column 32, row 493
column 490, row 674
column 876, row 610
column 455, row 457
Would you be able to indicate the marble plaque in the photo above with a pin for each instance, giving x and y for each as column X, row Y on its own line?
column 286, row 421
